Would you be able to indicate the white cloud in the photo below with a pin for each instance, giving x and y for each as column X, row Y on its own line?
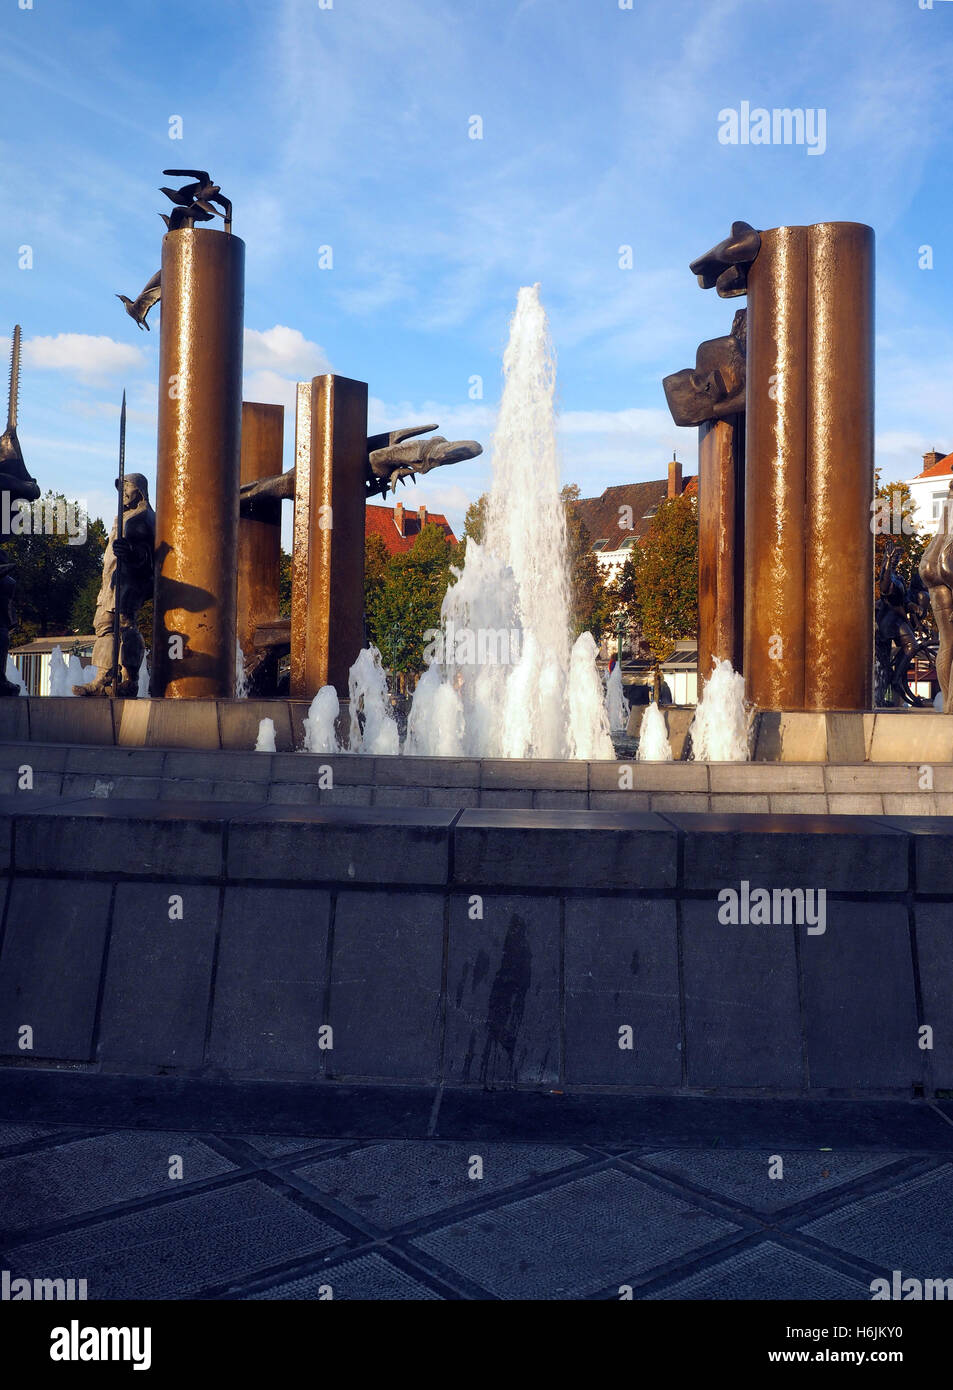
column 80, row 354
column 284, row 351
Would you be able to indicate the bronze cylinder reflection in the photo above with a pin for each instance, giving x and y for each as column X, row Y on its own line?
column 775, row 461
column 259, row 536
column 197, row 474
column 335, row 632
column 838, row 603
column 720, row 543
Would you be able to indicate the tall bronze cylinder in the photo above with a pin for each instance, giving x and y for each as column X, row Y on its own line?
column 838, row 601
column 335, row 579
column 259, row 535
column 720, row 543
column 197, row 473
column 775, row 462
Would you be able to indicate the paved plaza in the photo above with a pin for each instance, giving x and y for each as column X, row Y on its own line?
column 265, row 1216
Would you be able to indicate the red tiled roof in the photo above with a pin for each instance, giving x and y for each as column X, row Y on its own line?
column 600, row 515
column 379, row 521
column 941, row 469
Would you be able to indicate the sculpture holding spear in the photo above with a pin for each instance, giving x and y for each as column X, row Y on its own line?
column 127, row 583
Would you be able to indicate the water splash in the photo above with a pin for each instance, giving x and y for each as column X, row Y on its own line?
column 368, row 694
column 719, row 731
column 144, row 678
column 518, row 692
column 241, row 680
column 14, row 677
column 654, row 746
column 265, row 743
column 59, row 673
column 320, row 721
column 617, row 706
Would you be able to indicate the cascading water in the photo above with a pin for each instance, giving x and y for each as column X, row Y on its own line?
column 654, row 746
column 719, row 731
column 617, row 706
column 241, row 680
column 319, row 731
column 504, row 681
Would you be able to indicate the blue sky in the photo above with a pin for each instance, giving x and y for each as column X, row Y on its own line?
column 349, row 127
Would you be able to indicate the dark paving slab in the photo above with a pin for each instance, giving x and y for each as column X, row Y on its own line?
column 180, row 1248
column 503, row 991
column 270, row 981
column 769, row 1271
column 12, row 1135
column 909, row 1227
column 624, row 975
column 741, row 1175
column 386, row 970
column 273, row 1146
column 393, row 1184
column 600, row 1230
column 87, row 1175
column 369, row 1277
column 50, row 966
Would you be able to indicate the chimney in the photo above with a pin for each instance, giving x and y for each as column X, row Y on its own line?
column 674, row 478
column 399, row 517
column 422, row 513
column 931, row 458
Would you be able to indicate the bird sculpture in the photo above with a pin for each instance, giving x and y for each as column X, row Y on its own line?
column 203, row 193
column 137, row 309
column 184, row 217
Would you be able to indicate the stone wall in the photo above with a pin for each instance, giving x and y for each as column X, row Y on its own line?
column 498, row 947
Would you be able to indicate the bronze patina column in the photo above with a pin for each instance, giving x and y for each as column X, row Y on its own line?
column 775, row 463
column 335, row 577
column 197, row 476
column 838, row 594
column 259, row 534
column 720, row 542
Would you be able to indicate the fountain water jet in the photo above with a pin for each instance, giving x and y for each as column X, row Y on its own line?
column 531, row 697
column 320, row 721
column 719, row 731
column 654, row 746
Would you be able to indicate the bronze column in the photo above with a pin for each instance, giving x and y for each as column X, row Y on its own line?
column 838, row 603
column 720, row 542
column 197, row 474
column 775, row 463
column 300, row 546
column 335, row 581
column 259, row 535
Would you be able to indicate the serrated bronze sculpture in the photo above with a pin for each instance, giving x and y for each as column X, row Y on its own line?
column 16, row 481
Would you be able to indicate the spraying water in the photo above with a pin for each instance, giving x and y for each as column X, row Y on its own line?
column 514, row 688
column 14, row 677
column 719, row 731
column 368, row 695
column 59, row 673
column 654, row 746
column 241, row 680
column 265, row 743
column 144, row 678
column 617, row 706
column 319, row 734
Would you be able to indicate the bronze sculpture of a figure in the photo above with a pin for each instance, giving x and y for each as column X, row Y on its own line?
column 20, row 486
column 136, row 553
column 936, row 571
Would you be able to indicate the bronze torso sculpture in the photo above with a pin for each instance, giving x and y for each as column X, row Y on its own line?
column 136, row 551
column 936, row 571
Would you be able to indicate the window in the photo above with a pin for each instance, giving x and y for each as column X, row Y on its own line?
column 628, row 543
column 600, row 545
column 647, row 516
column 938, row 499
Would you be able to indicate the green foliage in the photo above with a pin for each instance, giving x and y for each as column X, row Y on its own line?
column 590, row 605
column 284, row 584
column 56, row 581
column 403, row 594
column 659, row 582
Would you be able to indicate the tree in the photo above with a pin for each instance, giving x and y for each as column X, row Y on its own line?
column 55, row 580
column 284, row 583
column 589, row 602
column 403, row 595
column 893, row 522
column 663, row 582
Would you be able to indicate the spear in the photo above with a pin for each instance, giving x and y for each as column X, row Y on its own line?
column 14, row 381
column 116, row 575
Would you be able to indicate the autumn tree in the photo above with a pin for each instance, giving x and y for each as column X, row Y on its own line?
column 589, row 603
column 403, row 595
column 662, row 585
column 57, row 583
column 894, row 524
